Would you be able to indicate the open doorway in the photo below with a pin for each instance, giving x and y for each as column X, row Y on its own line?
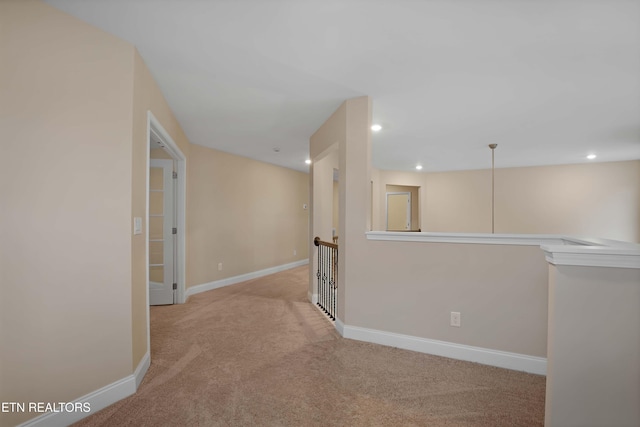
column 402, row 208
column 398, row 211
column 163, row 283
column 165, row 217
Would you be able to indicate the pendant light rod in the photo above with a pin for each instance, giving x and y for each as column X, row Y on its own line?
column 493, row 180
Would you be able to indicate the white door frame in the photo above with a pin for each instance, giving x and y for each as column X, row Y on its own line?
column 153, row 125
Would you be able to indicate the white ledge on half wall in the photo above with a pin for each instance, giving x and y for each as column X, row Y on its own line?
column 558, row 249
column 593, row 256
column 476, row 238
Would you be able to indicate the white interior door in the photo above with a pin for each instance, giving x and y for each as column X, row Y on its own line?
column 161, row 232
column 398, row 211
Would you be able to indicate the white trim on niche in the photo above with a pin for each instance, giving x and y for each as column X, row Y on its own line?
column 243, row 277
column 98, row 399
column 500, row 359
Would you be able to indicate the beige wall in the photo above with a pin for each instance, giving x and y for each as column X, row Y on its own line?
column 346, row 126
column 429, row 281
column 324, row 154
column 590, row 200
column 146, row 97
column 593, row 374
column 458, row 202
column 355, row 212
column 245, row 214
column 74, row 104
column 325, row 201
column 66, row 172
column 500, row 291
column 336, row 204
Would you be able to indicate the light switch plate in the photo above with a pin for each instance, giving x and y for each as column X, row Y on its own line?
column 137, row 225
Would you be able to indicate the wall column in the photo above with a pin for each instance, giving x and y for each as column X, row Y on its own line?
column 593, row 341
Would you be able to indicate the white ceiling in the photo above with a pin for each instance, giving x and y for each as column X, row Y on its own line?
column 549, row 81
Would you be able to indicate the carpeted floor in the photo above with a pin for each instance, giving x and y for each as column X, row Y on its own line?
column 259, row 354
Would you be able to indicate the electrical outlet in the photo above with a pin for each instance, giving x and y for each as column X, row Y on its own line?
column 219, row 266
column 455, row 319
column 295, row 252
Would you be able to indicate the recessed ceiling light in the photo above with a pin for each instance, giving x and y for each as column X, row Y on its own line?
column 591, row 156
column 308, row 161
column 376, row 128
column 419, row 167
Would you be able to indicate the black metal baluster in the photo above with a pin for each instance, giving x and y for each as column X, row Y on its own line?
column 321, row 267
column 327, row 274
column 324, row 278
column 320, row 276
column 335, row 285
column 331, row 282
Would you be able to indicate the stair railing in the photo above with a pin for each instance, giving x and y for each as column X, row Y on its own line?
column 327, row 275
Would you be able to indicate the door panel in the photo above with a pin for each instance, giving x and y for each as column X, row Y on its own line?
column 161, row 245
column 156, row 276
column 156, row 252
column 398, row 211
column 156, row 227
column 156, row 201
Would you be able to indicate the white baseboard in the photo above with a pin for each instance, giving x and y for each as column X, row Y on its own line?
column 98, row 399
column 242, row 278
column 142, row 368
column 340, row 327
column 313, row 298
column 501, row 359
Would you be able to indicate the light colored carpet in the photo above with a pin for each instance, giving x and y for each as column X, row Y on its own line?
column 259, row 354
